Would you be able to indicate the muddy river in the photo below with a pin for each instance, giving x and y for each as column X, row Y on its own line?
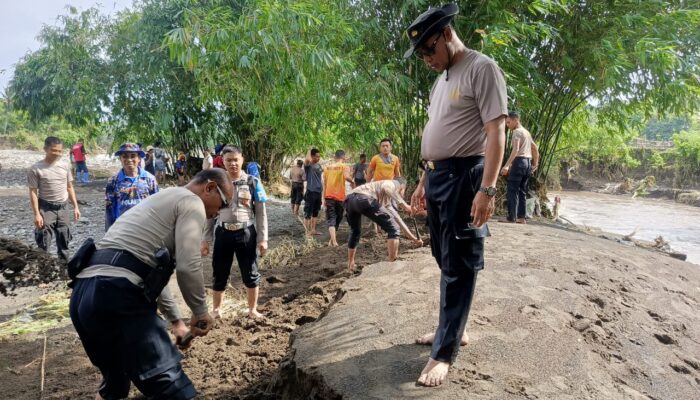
column 678, row 224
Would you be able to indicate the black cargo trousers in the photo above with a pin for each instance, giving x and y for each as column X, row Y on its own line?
column 458, row 248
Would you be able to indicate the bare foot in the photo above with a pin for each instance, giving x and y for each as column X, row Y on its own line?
column 520, row 221
column 434, row 373
column 351, row 267
column 427, row 339
column 216, row 313
column 254, row 314
column 332, row 243
column 316, row 233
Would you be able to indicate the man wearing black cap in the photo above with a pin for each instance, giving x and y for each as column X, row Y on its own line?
column 462, row 146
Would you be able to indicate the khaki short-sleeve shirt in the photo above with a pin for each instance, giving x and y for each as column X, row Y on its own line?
column 524, row 139
column 51, row 180
column 459, row 107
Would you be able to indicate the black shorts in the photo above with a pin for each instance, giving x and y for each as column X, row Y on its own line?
column 241, row 243
column 360, row 181
column 297, row 192
column 312, row 204
column 334, row 212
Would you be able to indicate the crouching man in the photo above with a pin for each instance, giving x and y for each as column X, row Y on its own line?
column 378, row 201
column 113, row 305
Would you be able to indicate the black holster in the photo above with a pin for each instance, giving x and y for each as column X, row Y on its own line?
column 80, row 260
column 158, row 277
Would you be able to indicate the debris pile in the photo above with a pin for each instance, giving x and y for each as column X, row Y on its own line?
column 21, row 265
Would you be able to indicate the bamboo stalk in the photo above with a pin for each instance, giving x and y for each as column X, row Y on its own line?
column 43, row 366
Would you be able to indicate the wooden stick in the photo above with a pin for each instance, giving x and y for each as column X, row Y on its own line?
column 43, row 364
column 415, row 227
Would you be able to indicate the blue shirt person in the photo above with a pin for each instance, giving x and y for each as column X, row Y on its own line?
column 253, row 168
column 129, row 186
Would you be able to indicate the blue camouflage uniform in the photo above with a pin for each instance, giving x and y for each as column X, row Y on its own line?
column 123, row 192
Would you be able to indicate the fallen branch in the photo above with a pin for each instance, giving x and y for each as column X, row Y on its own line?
column 629, row 237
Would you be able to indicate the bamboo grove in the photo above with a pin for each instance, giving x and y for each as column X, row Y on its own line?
column 278, row 76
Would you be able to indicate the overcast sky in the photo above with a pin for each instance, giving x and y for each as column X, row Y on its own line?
column 21, row 21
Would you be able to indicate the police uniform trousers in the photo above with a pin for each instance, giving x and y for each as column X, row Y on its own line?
column 242, row 243
column 56, row 223
column 518, row 176
column 124, row 337
column 458, row 248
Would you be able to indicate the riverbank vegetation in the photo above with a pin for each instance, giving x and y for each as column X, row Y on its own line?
column 668, row 150
column 276, row 77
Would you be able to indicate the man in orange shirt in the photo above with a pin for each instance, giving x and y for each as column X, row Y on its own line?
column 334, row 177
column 384, row 166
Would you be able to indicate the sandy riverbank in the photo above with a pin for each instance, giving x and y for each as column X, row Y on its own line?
column 557, row 315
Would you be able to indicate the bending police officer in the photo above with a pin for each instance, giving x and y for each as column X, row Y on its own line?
column 113, row 305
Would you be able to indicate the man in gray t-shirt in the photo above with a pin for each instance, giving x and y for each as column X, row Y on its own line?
column 462, row 145
column 50, row 185
column 314, row 187
column 115, row 320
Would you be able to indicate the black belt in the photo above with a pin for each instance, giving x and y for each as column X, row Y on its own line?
column 298, row 184
column 51, row 206
column 122, row 259
column 453, row 163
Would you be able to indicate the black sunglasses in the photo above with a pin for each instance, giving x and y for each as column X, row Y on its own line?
column 423, row 51
column 224, row 202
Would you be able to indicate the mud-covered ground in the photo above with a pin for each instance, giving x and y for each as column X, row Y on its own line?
column 301, row 279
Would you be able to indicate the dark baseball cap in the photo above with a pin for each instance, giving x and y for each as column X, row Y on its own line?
column 429, row 23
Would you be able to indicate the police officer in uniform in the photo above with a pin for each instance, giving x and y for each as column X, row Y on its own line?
column 462, row 145
column 239, row 230
column 50, row 185
column 523, row 161
column 113, row 305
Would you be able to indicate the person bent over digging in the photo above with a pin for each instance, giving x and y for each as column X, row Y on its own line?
column 240, row 229
column 378, row 201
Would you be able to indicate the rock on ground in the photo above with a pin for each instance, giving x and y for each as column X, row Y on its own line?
column 556, row 315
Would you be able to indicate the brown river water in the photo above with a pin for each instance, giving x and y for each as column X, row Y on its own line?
column 679, row 224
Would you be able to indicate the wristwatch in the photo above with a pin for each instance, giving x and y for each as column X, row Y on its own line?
column 489, row 191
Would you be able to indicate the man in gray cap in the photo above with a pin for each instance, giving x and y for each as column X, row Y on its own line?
column 462, row 146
